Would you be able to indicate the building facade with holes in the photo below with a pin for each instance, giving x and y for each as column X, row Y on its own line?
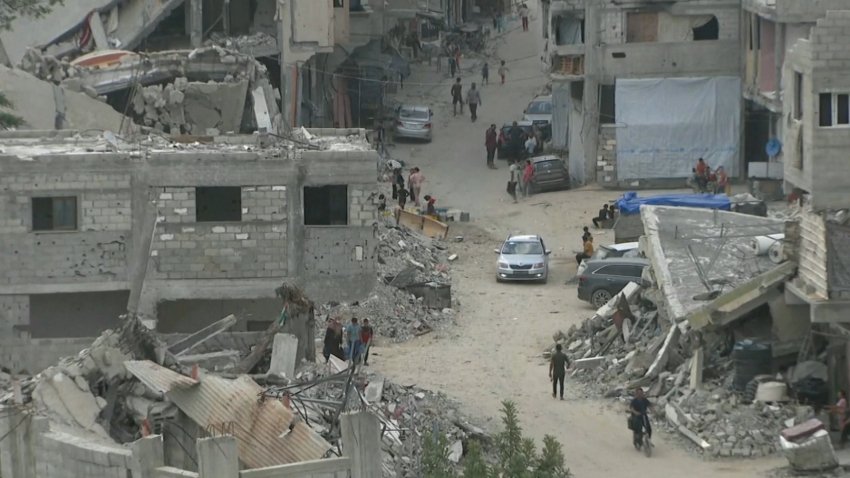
column 608, row 60
column 206, row 230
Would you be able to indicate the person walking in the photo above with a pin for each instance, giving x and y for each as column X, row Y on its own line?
column 490, row 139
column 503, row 71
column 333, row 340
column 457, row 97
column 523, row 13
column 452, row 66
column 401, row 192
column 415, row 180
column 722, row 184
column 485, row 74
column 558, row 370
column 473, row 97
column 366, row 334
column 514, row 180
column 352, row 334
column 457, row 57
column 527, row 177
column 531, row 145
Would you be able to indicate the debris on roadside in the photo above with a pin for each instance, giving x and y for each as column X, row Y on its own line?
column 413, row 294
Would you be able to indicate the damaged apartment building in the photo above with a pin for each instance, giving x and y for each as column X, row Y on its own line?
column 770, row 30
column 606, row 59
column 182, row 233
column 816, row 114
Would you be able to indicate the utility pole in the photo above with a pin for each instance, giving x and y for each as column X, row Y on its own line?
column 285, row 75
column 590, row 97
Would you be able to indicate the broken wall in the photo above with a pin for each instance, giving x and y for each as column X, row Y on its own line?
column 339, row 259
column 188, row 315
column 39, row 103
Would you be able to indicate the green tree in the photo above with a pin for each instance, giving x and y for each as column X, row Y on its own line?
column 8, row 120
column 517, row 456
column 10, row 10
column 435, row 456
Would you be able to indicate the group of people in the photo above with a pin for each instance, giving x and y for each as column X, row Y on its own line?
column 707, row 180
column 473, row 99
column 412, row 191
column 350, row 343
column 521, row 177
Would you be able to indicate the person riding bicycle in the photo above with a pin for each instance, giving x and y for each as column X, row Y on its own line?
column 639, row 407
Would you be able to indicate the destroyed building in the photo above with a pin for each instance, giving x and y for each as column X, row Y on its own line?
column 606, row 57
column 770, row 31
column 196, row 230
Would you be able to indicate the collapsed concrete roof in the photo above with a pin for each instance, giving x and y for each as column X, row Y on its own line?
column 700, row 255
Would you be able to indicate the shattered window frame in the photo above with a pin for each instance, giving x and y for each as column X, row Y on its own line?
column 54, row 213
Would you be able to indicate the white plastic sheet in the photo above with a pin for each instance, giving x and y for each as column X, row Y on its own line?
column 665, row 124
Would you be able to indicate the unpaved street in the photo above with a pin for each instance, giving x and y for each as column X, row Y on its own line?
column 494, row 352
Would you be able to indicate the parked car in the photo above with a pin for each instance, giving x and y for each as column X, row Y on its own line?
column 550, row 172
column 523, row 258
column 603, row 279
column 504, row 150
column 414, row 121
column 539, row 112
column 611, row 251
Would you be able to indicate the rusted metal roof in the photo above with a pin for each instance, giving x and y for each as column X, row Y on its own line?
column 261, row 428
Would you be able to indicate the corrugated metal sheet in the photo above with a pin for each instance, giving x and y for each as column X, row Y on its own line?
column 233, row 404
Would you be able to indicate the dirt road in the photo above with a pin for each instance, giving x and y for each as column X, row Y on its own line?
column 494, row 352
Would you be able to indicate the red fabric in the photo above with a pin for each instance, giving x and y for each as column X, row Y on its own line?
column 528, row 173
column 365, row 335
column 490, row 139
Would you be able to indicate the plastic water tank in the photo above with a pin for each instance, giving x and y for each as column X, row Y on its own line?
column 751, row 358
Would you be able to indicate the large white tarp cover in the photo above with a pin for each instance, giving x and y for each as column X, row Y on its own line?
column 665, row 124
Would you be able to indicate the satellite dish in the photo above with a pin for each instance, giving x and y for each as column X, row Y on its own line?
column 773, row 147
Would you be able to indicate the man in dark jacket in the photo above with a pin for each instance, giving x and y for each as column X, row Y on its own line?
column 558, row 370
column 516, row 138
column 490, row 144
column 457, row 97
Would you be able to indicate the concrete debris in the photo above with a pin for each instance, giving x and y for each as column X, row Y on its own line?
column 408, row 300
column 659, row 357
column 406, row 412
column 810, row 451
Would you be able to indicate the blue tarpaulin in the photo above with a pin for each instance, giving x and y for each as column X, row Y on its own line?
column 630, row 203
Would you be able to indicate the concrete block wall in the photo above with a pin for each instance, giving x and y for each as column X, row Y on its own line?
column 362, row 211
column 95, row 252
column 606, row 158
column 253, row 248
column 61, row 455
column 823, row 61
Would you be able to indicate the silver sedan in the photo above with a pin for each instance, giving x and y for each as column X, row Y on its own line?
column 414, row 122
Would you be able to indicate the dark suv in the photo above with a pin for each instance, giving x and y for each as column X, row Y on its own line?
column 603, row 279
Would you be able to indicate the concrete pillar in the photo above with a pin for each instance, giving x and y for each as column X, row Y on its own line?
column 284, row 355
column 285, row 69
column 696, row 369
column 148, row 455
column 590, row 98
column 17, row 447
column 361, row 441
column 196, row 22
column 218, row 457
column 98, row 33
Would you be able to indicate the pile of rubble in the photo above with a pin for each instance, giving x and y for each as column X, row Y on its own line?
column 413, row 293
column 406, row 412
column 628, row 344
column 48, row 67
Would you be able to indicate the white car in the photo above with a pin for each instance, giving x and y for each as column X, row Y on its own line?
column 624, row 249
column 522, row 258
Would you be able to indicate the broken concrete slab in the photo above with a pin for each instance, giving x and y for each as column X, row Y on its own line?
column 660, row 362
column 215, row 361
column 215, row 105
column 60, row 398
column 693, row 251
column 586, row 363
column 456, row 451
column 284, row 354
column 34, row 101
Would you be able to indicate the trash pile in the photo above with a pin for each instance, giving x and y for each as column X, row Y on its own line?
column 629, row 344
column 406, row 412
column 413, row 293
